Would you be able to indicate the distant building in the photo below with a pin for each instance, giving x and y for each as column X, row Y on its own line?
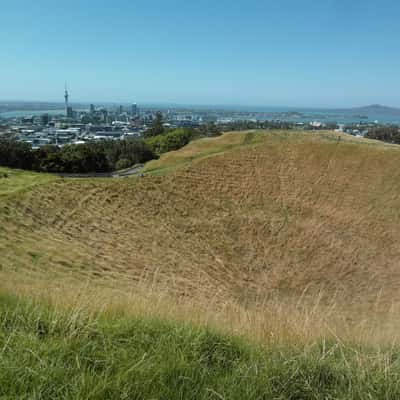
column 92, row 109
column 108, row 135
column 316, row 124
column 70, row 112
column 104, row 115
column 44, row 119
column 134, row 110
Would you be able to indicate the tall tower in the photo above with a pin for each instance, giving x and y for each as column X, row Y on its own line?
column 66, row 99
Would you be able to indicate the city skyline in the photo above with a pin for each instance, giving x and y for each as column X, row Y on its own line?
column 65, row 103
column 329, row 54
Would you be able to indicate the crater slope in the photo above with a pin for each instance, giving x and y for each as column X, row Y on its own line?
column 252, row 216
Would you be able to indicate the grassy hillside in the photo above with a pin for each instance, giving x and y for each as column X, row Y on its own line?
column 14, row 181
column 298, row 228
column 131, row 288
column 200, row 149
column 53, row 353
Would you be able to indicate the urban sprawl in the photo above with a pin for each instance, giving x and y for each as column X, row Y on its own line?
column 123, row 121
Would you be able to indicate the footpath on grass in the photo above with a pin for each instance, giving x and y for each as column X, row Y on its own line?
column 135, row 170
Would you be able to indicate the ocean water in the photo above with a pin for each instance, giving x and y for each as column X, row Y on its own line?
column 17, row 114
column 293, row 114
column 340, row 117
column 290, row 114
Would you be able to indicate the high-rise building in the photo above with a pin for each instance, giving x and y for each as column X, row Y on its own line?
column 104, row 115
column 70, row 112
column 92, row 109
column 121, row 109
column 134, row 110
column 44, row 119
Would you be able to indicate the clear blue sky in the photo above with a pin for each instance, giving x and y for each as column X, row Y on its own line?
column 253, row 52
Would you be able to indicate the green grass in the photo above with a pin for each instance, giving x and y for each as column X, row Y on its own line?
column 13, row 181
column 49, row 353
column 208, row 147
column 202, row 148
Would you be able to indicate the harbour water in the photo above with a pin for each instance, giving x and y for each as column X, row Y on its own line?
column 26, row 113
column 263, row 113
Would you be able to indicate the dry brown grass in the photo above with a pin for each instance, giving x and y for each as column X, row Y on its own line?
column 292, row 236
column 269, row 323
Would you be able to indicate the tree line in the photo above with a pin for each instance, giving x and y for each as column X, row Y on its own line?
column 103, row 156
column 241, row 125
column 390, row 134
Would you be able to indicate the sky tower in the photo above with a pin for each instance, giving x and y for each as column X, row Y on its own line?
column 68, row 110
column 66, row 99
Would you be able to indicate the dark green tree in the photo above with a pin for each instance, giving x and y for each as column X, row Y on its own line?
column 170, row 141
column 390, row 134
column 157, row 127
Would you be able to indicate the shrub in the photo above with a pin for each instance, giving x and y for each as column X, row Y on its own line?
column 123, row 163
column 173, row 140
column 16, row 154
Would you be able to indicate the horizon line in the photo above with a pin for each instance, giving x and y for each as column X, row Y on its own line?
column 202, row 105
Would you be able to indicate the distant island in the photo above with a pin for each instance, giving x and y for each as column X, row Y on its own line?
column 373, row 109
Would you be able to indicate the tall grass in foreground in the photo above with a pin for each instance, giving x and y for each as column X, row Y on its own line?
column 272, row 322
column 48, row 352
